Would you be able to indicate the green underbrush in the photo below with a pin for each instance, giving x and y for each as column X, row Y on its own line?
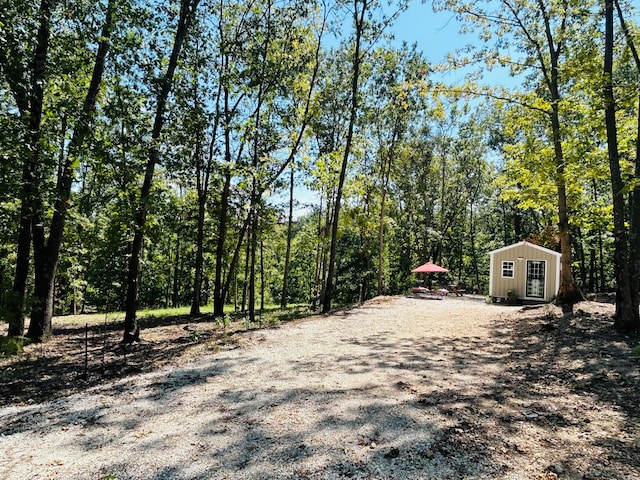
column 10, row 346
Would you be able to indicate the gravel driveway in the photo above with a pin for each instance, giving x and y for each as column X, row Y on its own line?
column 400, row 388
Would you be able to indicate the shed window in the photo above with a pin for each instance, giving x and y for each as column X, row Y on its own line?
column 507, row 269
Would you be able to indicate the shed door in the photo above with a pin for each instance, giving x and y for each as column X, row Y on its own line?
column 535, row 278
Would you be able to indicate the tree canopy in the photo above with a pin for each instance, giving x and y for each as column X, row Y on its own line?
column 238, row 154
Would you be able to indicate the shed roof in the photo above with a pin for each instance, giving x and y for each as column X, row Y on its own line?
column 529, row 244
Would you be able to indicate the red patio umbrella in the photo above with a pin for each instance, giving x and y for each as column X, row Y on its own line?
column 429, row 268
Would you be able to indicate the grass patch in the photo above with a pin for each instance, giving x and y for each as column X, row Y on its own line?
column 272, row 314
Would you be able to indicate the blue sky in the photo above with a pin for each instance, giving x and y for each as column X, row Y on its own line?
column 437, row 34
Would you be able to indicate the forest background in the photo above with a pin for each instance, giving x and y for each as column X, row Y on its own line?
column 156, row 153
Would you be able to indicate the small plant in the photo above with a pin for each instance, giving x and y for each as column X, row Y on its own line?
column 195, row 336
column 636, row 350
column 12, row 346
column 225, row 320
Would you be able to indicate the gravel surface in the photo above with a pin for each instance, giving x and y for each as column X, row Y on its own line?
column 399, row 388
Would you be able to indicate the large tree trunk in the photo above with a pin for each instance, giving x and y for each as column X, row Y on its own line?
column 634, row 223
column 626, row 319
column 46, row 253
column 30, row 107
column 17, row 297
column 568, row 293
column 131, row 329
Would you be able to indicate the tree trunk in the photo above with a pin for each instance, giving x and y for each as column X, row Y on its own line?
column 175, row 291
column 42, row 310
column 568, row 293
column 287, row 257
column 131, row 328
column 626, row 319
column 261, row 278
column 30, row 107
column 17, row 298
column 634, row 223
column 318, row 272
column 472, row 241
column 253, row 246
column 359, row 17
column 582, row 260
column 203, row 175
column 46, row 254
column 245, row 283
column 634, row 227
column 234, row 263
column 218, row 297
column 592, row 269
column 202, row 203
column 386, row 172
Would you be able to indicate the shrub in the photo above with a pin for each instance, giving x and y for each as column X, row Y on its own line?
column 12, row 345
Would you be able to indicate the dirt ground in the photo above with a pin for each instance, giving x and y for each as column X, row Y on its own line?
column 399, row 388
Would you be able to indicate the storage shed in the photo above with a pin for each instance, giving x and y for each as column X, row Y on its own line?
column 524, row 272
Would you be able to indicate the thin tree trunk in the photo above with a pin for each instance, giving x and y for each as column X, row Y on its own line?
column 176, row 274
column 592, row 269
column 234, row 262
column 131, row 328
column 261, row 278
column 602, row 276
column 317, row 278
column 203, row 175
column 472, row 239
column 386, row 172
column 634, row 226
column 218, row 294
column 287, row 256
column 253, row 245
column 245, row 283
column 582, row 260
column 359, row 17
column 199, row 264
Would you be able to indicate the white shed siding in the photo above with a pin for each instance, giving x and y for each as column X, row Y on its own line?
column 520, row 254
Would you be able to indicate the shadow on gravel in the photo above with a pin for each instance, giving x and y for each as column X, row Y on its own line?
column 527, row 402
column 78, row 358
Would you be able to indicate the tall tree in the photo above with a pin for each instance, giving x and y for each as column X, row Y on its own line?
column 185, row 18
column 360, row 10
column 47, row 249
column 627, row 315
column 287, row 255
column 280, row 88
column 543, row 31
column 26, row 78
